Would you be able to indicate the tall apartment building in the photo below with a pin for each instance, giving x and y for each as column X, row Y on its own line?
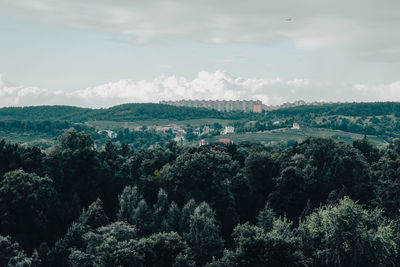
column 220, row 105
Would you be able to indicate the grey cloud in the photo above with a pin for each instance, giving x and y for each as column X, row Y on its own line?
column 369, row 28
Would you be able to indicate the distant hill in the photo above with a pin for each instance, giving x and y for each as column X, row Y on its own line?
column 125, row 112
column 43, row 113
column 147, row 111
column 344, row 109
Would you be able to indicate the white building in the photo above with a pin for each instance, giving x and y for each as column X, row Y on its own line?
column 296, row 126
column 228, row 130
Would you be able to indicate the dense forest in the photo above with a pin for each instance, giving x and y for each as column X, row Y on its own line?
column 317, row 203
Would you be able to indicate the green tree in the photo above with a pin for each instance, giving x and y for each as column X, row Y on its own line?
column 89, row 220
column 103, row 245
column 29, row 206
column 265, row 218
column 164, row 250
column 203, row 236
column 160, row 208
column 347, row 235
column 386, row 173
column 144, row 219
column 260, row 169
column 205, row 176
column 128, row 201
column 171, row 221
column 187, row 211
column 255, row 247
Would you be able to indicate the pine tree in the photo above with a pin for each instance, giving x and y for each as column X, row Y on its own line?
column 171, row 221
column 128, row 201
column 265, row 218
column 160, row 208
column 203, row 236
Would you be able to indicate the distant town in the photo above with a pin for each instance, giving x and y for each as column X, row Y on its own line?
column 242, row 105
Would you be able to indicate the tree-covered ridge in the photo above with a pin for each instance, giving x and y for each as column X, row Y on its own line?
column 43, row 113
column 345, row 109
column 138, row 111
column 125, row 112
column 318, row 203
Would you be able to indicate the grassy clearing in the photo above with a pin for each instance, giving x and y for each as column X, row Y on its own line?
column 285, row 135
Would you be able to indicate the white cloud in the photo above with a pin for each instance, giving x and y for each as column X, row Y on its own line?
column 368, row 27
column 217, row 85
column 389, row 92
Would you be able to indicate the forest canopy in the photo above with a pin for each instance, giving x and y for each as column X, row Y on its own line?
column 318, row 203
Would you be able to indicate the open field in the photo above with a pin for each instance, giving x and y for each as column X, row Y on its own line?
column 285, row 135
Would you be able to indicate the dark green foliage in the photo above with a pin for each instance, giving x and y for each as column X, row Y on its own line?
column 94, row 216
column 11, row 252
column 117, row 245
column 103, row 245
column 160, row 208
column 347, row 235
column 171, row 221
column 48, row 112
column 387, row 176
column 163, row 249
column 149, row 214
column 367, row 150
column 128, row 201
column 144, row 219
column 316, row 168
column 260, row 169
column 125, row 112
column 203, row 235
column 28, row 207
column 187, row 212
column 89, row 219
column 14, row 156
column 266, row 217
column 346, row 109
column 255, row 247
column 205, row 176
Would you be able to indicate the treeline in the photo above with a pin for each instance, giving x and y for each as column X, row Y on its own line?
column 125, row 112
column 46, row 127
column 143, row 139
column 318, row 203
column 345, row 109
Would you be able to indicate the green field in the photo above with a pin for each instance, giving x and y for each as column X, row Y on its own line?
column 285, row 135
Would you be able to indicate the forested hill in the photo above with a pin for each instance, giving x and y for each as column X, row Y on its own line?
column 139, row 111
column 43, row 113
column 344, row 109
column 125, row 112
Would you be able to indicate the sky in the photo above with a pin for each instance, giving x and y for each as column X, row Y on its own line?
column 103, row 53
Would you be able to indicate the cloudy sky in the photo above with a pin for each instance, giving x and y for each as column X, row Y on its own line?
column 101, row 53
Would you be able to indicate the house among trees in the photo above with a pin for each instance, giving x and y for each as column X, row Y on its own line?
column 180, row 136
column 206, row 129
column 296, row 126
column 197, row 131
column 228, row 130
column 202, row 142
